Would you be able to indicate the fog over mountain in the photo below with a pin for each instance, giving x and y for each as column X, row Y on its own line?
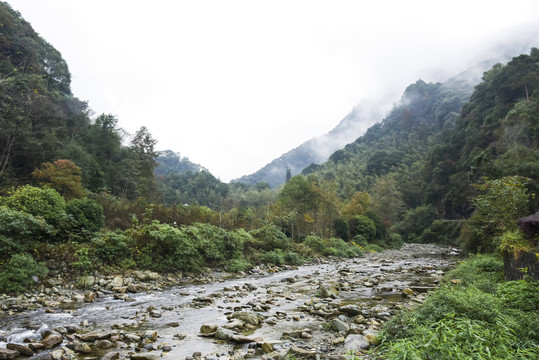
column 366, row 113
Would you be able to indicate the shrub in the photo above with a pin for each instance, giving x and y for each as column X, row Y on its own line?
column 44, row 202
column 333, row 247
column 292, row 258
column 112, row 248
column 161, row 247
column 17, row 274
column 87, row 214
column 270, row 237
column 18, row 230
column 235, row 243
column 341, row 228
column 273, row 257
column 208, row 240
column 395, row 241
column 363, row 225
column 237, row 265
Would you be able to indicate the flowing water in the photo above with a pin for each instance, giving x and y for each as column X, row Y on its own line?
column 376, row 279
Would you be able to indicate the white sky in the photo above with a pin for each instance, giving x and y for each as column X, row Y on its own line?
column 235, row 84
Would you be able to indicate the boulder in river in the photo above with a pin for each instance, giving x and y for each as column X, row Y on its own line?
column 327, row 290
column 247, row 317
column 8, row 354
column 23, row 349
column 355, row 342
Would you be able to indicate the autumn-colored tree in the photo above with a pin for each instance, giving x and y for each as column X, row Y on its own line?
column 63, row 176
column 358, row 205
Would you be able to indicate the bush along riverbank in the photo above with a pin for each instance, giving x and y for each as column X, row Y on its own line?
column 473, row 315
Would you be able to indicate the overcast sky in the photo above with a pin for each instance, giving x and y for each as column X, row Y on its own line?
column 235, row 84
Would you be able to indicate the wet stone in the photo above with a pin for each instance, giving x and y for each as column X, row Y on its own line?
column 23, row 349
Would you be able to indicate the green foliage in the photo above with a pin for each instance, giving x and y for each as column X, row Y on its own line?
column 364, row 226
column 522, row 295
column 87, row 214
column 515, row 242
column 415, row 222
column 496, row 210
column 275, row 257
column 481, row 271
column 112, row 248
column 43, row 202
column 269, row 237
column 457, row 338
column 395, row 241
column 19, row 230
column 83, row 262
column 292, row 258
column 341, row 228
column 465, row 322
column 237, row 265
column 333, row 247
column 16, row 276
column 161, row 247
column 442, row 231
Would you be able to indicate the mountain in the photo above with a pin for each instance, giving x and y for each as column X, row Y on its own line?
column 169, row 161
column 318, row 149
column 309, row 155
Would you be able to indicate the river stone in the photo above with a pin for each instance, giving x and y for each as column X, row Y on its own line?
column 208, row 328
column 145, row 356
column 351, row 309
column 111, row 355
column 132, row 338
column 52, row 340
column 355, row 342
column 340, row 325
column 57, row 354
column 359, row 319
column 408, row 292
column 86, row 281
column 117, row 282
column 150, row 335
column 82, row 347
column 247, row 317
column 8, row 354
column 223, row 334
column 103, row 344
column 78, row 298
column 327, row 290
column 371, row 335
column 267, row 347
column 23, row 349
column 95, row 335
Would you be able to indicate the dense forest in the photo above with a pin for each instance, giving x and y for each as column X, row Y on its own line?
column 448, row 165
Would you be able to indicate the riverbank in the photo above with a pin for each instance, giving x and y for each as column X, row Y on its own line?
column 324, row 310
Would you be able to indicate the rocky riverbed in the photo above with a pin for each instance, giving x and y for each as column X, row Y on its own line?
column 325, row 310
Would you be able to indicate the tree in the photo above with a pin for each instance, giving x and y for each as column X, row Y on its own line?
column 143, row 145
column 358, row 205
column 363, row 226
column 497, row 209
column 63, row 176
